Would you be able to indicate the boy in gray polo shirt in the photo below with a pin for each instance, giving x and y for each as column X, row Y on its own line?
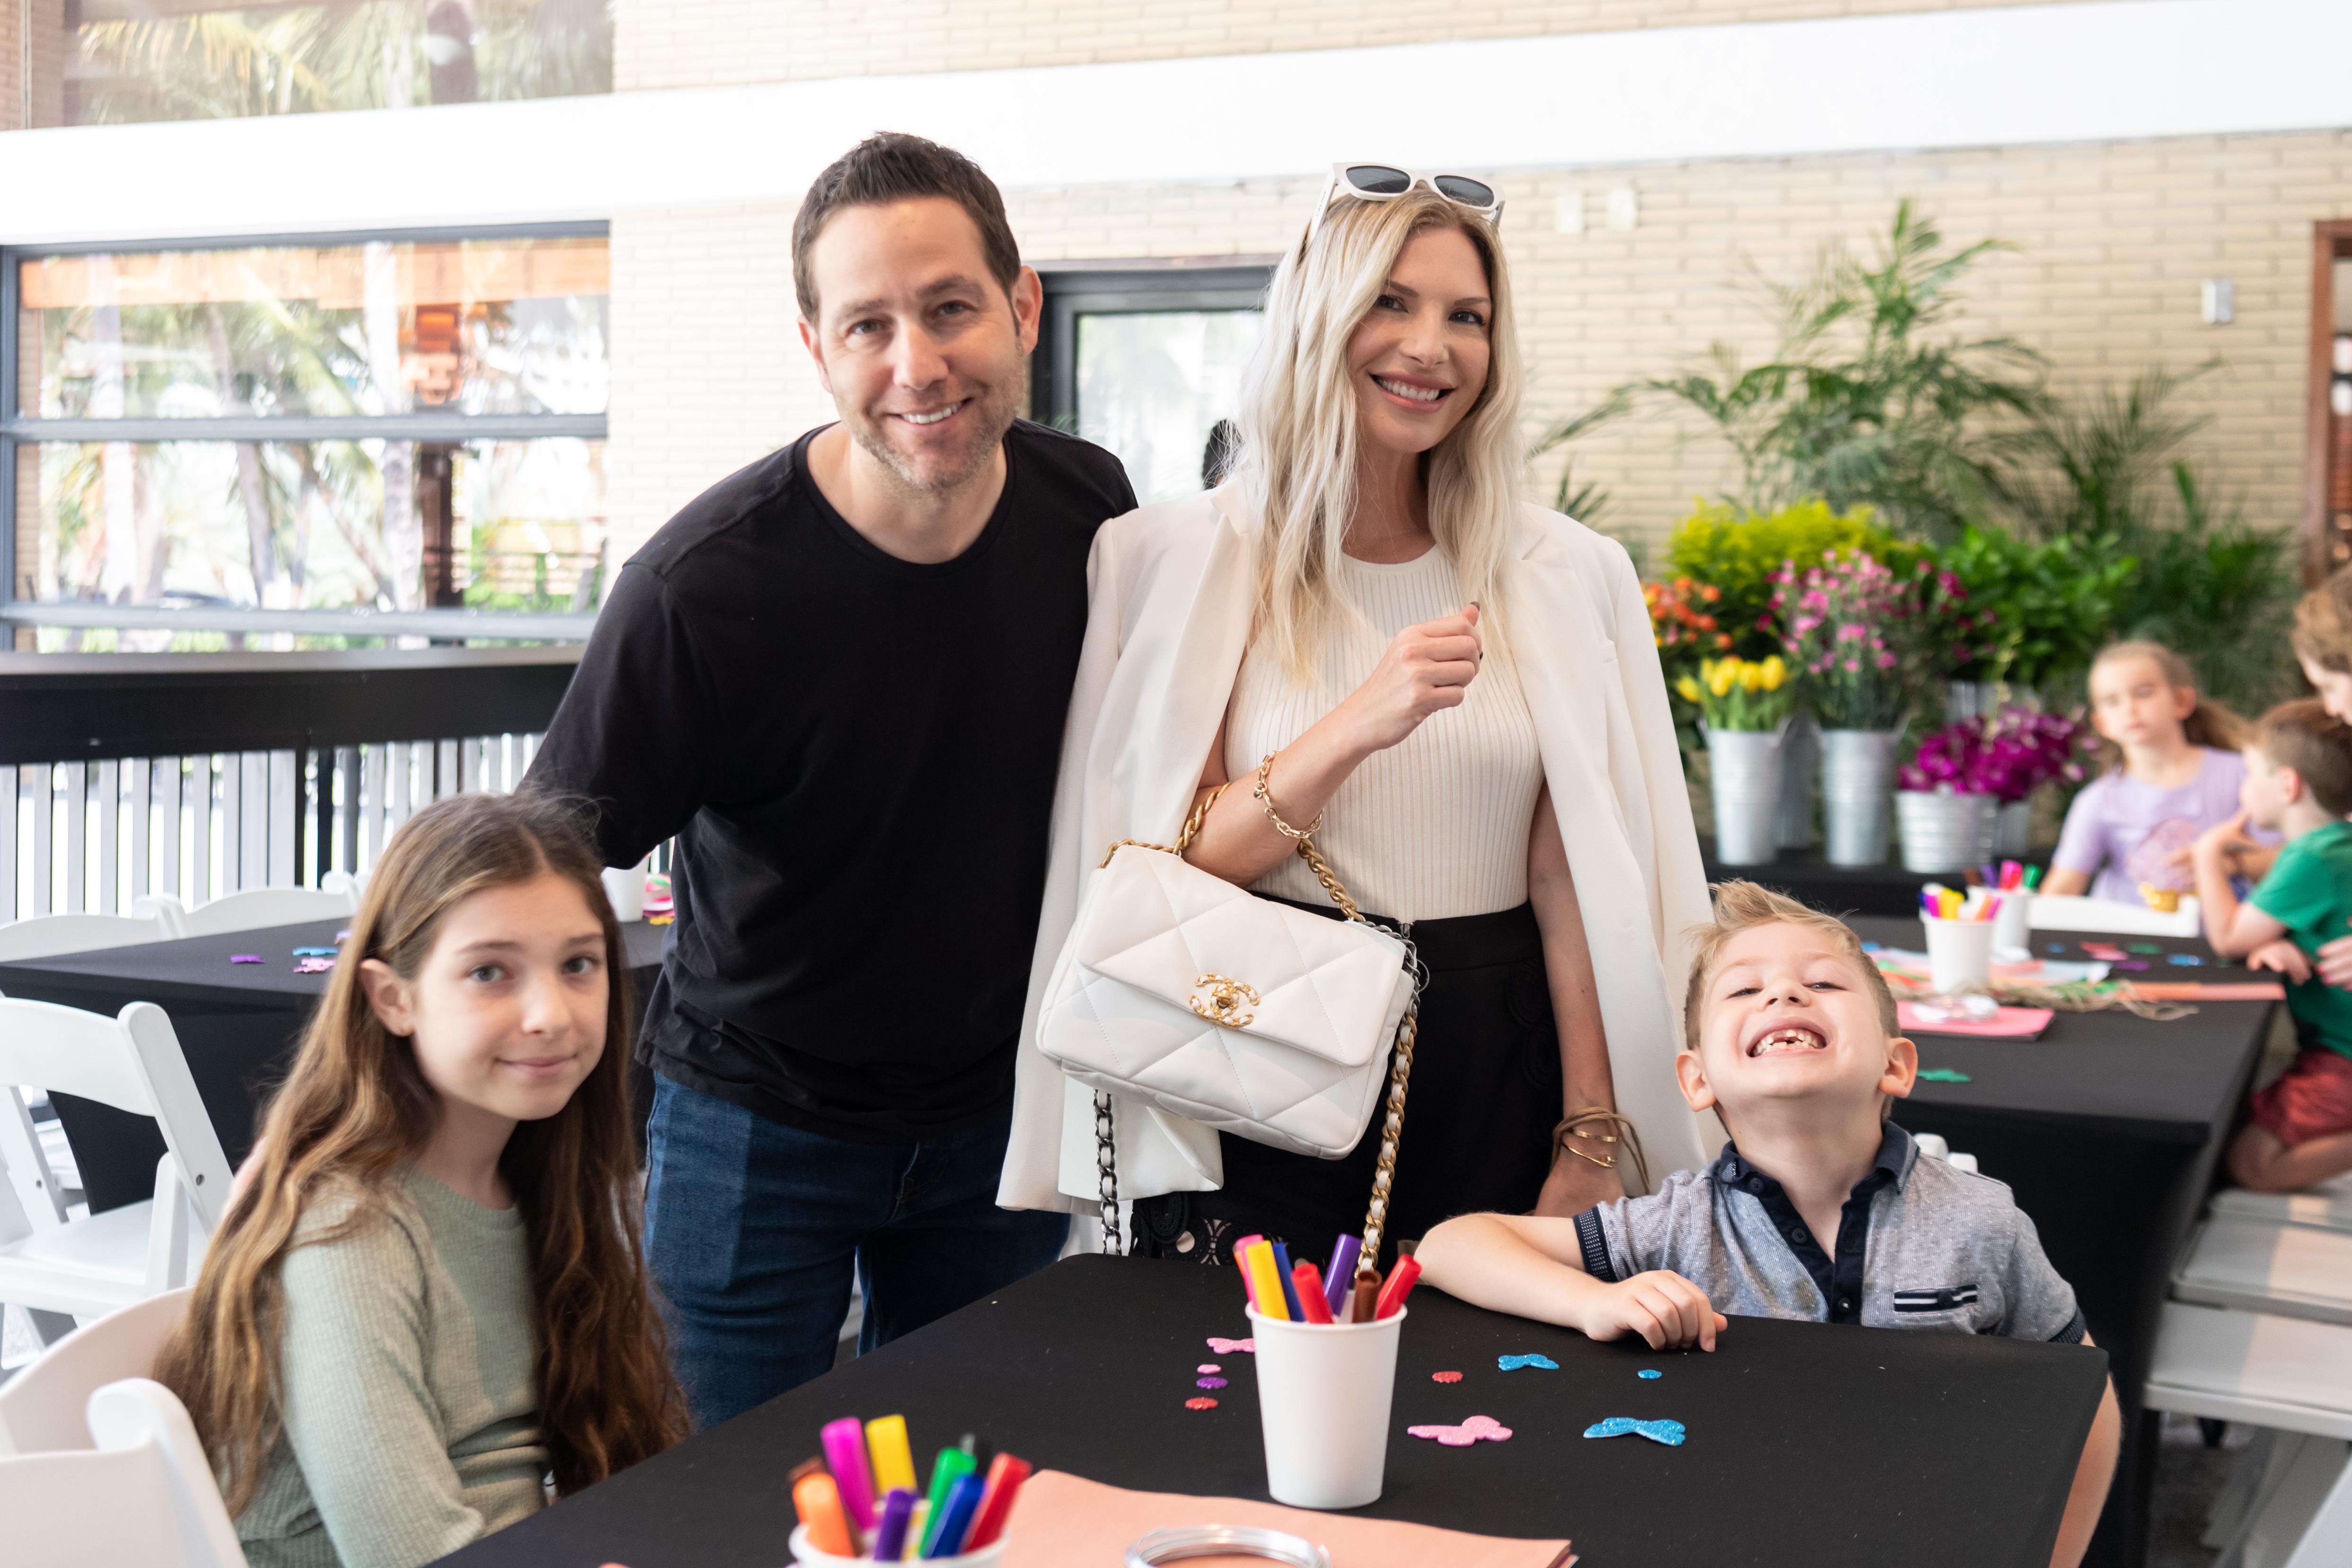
column 1820, row 1208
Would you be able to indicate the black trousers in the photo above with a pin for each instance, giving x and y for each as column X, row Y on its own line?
column 1479, row 1112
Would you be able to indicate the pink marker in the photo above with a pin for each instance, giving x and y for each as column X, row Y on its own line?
column 844, row 1456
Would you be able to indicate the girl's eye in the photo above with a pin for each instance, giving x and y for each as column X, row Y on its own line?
column 582, row 964
column 485, row 973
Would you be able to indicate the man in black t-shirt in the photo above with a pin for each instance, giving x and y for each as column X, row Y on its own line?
column 839, row 679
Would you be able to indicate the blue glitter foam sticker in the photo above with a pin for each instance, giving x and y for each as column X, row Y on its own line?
column 1513, row 1363
column 1670, row 1433
column 1649, row 1372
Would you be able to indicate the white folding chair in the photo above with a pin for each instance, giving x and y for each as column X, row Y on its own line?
column 144, row 1498
column 47, row 936
column 2325, row 1206
column 258, row 907
column 2257, row 1264
column 87, row 1268
column 41, row 1408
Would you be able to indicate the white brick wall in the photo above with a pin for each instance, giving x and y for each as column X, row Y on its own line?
column 2113, row 240
column 705, row 43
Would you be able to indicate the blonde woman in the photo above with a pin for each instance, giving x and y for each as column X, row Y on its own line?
column 1460, row 687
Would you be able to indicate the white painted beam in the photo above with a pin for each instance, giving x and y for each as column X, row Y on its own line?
column 2107, row 70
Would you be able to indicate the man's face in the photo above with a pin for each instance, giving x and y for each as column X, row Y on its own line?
column 1789, row 1016
column 925, row 355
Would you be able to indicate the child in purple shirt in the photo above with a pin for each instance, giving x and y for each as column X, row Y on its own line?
column 2174, row 772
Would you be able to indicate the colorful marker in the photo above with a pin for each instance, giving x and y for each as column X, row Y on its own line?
column 890, row 1534
column 1309, row 1285
column 885, row 1447
column 1271, row 1301
column 1338, row 1271
column 844, row 1455
column 1282, row 1277
column 1368, row 1289
column 963, row 1502
column 1241, row 1261
column 950, row 1467
column 818, row 1502
column 1004, row 1479
column 1400, row 1285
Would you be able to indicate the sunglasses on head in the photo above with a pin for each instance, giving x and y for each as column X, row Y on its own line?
column 1382, row 183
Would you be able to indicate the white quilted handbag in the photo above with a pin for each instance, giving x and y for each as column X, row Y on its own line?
column 1245, row 1014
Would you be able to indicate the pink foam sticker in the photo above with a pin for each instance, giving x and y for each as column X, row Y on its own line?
column 1477, row 1428
column 1444, row 1377
column 1208, row 1366
column 245, row 958
column 1233, row 1347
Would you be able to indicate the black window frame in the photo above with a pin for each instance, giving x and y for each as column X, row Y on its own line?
column 1125, row 288
column 17, row 430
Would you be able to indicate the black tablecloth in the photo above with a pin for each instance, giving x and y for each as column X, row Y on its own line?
column 2109, row 1129
column 1807, row 1443
column 1805, row 875
column 238, row 1025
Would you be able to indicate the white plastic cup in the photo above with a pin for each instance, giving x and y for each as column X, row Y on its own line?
column 989, row 1556
column 625, row 889
column 1323, row 1393
column 2013, row 926
column 1959, row 955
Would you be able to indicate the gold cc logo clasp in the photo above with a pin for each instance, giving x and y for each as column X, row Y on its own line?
column 1222, row 1003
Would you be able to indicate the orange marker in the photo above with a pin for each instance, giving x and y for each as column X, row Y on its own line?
column 818, row 1502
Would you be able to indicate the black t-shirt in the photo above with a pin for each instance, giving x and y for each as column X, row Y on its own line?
column 856, row 754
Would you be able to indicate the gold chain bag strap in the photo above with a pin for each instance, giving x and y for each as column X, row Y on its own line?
column 1401, row 1060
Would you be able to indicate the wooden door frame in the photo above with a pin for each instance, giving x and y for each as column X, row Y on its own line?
column 2331, row 241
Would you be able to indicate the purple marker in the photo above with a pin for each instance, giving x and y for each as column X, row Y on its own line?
column 844, row 1456
column 890, row 1535
column 1341, row 1277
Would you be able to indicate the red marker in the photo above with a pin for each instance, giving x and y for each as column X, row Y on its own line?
column 1309, row 1281
column 1400, row 1285
column 1004, row 1479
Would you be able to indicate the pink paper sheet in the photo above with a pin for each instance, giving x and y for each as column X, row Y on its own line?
column 2008, row 1024
column 1062, row 1521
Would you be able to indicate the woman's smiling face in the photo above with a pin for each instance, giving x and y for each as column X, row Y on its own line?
column 1419, row 358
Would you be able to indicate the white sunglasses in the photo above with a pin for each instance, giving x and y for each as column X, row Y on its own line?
column 1384, row 183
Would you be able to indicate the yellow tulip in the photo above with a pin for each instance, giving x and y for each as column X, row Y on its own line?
column 1723, row 679
column 1775, row 672
column 1752, row 677
column 1689, row 689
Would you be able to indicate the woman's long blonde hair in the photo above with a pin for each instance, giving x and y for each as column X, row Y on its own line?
column 356, row 1109
column 1297, row 472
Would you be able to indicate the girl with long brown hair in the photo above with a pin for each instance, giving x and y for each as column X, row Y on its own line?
column 428, row 1296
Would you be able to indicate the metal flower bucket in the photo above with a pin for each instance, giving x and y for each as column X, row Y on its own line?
column 1800, row 758
column 1857, row 787
column 1944, row 830
column 2013, row 830
column 1745, row 770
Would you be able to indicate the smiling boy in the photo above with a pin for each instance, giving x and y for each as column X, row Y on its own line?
column 1820, row 1208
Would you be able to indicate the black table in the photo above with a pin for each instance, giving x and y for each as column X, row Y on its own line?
column 1807, row 877
column 2109, row 1129
column 1808, row 1443
column 238, row 1025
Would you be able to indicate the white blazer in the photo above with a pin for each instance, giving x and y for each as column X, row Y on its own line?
column 1171, row 588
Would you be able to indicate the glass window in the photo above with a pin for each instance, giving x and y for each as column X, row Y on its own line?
column 1152, row 384
column 127, row 61
column 399, row 424
column 486, row 326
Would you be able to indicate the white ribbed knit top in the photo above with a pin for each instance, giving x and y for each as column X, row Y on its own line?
column 1434, row 826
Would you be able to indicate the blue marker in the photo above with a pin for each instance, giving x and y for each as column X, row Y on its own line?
column 964, row 1502
column 1289, row 1286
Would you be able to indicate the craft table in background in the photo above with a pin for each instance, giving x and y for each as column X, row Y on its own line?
column 238, row 1025
column 1807, row 1443
column 2109, row 1129
column 1807, row 877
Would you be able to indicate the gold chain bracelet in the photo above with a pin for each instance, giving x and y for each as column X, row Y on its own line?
column 1571, row 1125
column 1262, row 795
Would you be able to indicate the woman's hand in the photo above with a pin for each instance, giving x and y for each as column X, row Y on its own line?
column 1666, row 1311
column 1575, row 1185
column 1427, row 669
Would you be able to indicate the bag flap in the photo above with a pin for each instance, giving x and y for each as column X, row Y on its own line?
column 1196, row 942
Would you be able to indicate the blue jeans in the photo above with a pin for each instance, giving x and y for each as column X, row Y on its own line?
column 752, row 1228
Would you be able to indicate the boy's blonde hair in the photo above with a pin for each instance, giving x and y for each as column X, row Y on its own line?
column 1744, row 906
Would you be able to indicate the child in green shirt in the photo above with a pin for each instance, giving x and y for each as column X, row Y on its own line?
column 2298, row 782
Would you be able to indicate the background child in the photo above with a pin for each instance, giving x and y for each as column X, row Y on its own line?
column 1818, row 1209
column 2299, row 781
column 2172, row 772
column 428, row 1293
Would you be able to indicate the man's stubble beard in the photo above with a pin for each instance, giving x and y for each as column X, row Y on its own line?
column 993, row 412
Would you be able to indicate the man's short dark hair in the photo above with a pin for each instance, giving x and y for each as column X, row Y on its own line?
column 2305, row 736
column 894, row 167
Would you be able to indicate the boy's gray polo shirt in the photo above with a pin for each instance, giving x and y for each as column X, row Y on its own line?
column 1919, row 1246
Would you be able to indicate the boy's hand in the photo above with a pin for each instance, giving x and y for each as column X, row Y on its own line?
column 2224, row 842
column 1665, row 1310
column 2284, row 956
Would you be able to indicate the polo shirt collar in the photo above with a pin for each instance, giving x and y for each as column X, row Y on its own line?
column 1897, row 1155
